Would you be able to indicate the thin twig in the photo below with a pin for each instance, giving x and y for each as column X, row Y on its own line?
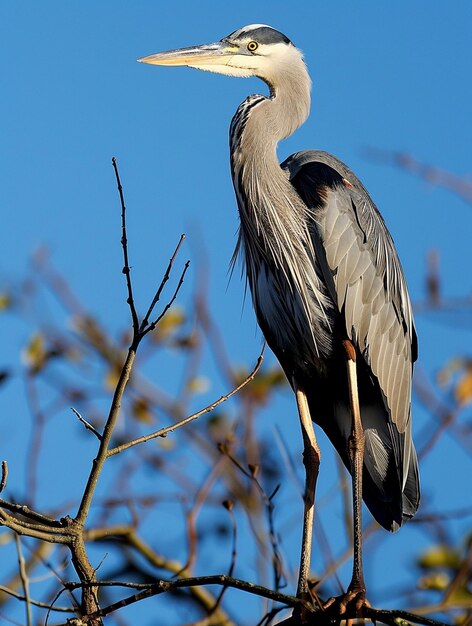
column 163, row 432
column 124, row 244
column 229, row 507
column 269, row 506
column 165, row 278
column 42, row 605
column 87, row 425
column 191, row 522
column 153, row 325
column 24, row 580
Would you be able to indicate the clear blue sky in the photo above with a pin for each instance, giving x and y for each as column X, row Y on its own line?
column 385, row 75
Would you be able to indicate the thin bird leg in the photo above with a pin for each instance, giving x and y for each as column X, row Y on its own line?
column 356, row 590
column 311, row 460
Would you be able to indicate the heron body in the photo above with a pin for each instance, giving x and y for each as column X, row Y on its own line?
column 322, row 268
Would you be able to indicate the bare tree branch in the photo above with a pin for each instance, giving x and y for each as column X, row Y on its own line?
column 433, row 175
column 156, row 298
column 163, row 432
column 124, row 244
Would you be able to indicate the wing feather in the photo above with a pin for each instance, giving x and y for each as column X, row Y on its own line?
column 368, row 279
column 364, row 277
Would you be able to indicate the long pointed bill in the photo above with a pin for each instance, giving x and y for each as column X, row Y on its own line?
column 200, row 57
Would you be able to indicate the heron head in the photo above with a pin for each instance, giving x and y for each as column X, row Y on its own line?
column 255, row 50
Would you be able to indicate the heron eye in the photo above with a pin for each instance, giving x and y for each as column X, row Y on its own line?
column 252, row 45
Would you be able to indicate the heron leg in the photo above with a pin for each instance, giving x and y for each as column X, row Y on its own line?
column 356, row 591
column 311, row 460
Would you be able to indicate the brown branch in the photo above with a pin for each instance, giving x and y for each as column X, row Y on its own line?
column 163, row 432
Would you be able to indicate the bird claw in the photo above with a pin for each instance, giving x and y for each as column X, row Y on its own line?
column 353, row 600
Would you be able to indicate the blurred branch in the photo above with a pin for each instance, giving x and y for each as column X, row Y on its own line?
column 433, row 175
column 163, row 432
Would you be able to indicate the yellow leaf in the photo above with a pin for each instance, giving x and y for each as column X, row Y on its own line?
column 198, row 384
column 463, row 390
column 35, row 354
column 437, row 582
column 440, row 556
column 112, row 376
column 142, row 411
column 446, row 373
column 172, row 320
column 5, row 301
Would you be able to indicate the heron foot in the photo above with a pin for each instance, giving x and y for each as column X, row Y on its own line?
column 353, row 601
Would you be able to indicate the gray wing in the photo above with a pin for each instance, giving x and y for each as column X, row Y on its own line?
column 364, row 276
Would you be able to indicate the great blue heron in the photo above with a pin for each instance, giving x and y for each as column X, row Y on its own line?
column 327, row 287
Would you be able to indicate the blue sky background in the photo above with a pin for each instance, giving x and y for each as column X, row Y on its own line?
column 393, row 76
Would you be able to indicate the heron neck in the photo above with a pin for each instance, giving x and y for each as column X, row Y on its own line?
column 257, row 127
column 261, row 122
